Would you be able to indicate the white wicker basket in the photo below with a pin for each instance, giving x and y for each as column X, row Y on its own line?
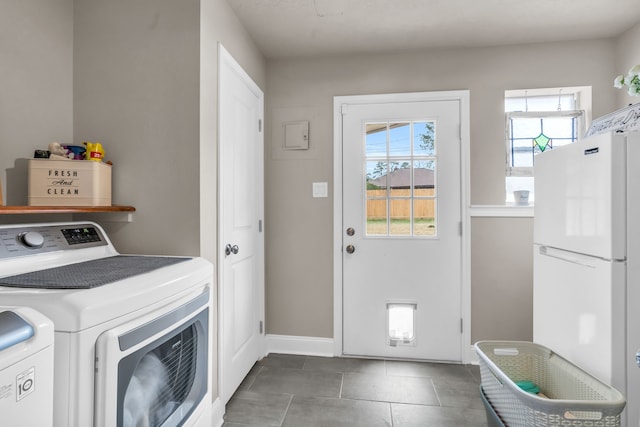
column 574, row 398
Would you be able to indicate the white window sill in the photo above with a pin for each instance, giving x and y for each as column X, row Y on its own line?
column 501, row 211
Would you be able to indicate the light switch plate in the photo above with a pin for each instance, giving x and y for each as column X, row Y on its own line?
column 320, row 189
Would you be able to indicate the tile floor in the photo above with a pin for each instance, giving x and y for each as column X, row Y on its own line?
column 305, row 391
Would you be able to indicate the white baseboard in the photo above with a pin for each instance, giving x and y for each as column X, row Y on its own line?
column 473, row 356
column 217, row 413
column 314, row 346
column 308, row 346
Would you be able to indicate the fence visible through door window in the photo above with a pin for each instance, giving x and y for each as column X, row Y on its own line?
column 401, row 165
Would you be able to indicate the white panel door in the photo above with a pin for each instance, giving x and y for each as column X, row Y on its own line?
column 241, row 257
column 402, row 268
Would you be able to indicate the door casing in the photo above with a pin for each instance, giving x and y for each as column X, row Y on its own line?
column 341, row 102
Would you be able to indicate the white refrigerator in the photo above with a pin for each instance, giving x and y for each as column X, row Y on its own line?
column 586, row 295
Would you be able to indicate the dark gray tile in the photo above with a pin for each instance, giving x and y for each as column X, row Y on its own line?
column 258, row 409
column 292, row 361
column 251, row 376
column 389, row 389
column 325, row 412
column 421, row 416
column 297, row 381
column 460, row 394
column 428, row 370
column 343, row 364
column 475, row 372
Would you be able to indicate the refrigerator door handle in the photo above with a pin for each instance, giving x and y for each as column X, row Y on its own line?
column 550, row 252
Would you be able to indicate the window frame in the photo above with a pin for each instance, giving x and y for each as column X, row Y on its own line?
column 527, row 171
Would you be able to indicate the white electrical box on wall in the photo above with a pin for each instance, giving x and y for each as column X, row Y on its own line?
column 296, row 135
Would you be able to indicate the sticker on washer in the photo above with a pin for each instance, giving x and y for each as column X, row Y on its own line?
column 25, row 383
column 6, row 391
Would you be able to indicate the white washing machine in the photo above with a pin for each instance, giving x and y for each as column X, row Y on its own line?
column 132, row 332
column 26, row 368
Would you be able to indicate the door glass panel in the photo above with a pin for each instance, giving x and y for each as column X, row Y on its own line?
column 377, row 224
column 376, row 139
column 377, row 177
column 401, row 172
column 400, row 215
column 424, row 217
column 424, row 178
column 424, row 138
column 399, row 139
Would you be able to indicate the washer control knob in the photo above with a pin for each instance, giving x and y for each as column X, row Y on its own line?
column 31, row 239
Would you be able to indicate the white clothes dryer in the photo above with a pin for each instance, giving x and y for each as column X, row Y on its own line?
column 132, row 332
column 26, row 368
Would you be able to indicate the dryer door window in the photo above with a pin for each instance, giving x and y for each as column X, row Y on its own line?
column 158, row 380
column 154, row 371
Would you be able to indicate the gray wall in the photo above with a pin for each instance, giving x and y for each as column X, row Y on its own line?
column 501, row 279
column 136, row 90
column 36, row 85
column 299, row 228
column 627, row 55
column 140, row 77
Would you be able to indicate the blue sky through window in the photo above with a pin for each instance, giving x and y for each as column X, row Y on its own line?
column 399, row 138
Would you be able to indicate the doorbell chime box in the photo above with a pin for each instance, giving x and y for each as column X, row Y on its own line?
column 69, row 183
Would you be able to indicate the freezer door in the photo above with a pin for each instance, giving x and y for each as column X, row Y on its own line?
column 579, row 311
column 580, row 197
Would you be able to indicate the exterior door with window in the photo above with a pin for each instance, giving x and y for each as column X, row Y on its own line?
column 402, row 268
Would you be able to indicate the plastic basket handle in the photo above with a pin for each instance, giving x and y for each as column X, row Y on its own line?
column 510, row 351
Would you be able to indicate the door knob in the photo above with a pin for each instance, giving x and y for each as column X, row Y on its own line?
column 351, row 249
column 228, row 250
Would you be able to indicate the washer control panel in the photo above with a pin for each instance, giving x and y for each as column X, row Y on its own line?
column 29, row 240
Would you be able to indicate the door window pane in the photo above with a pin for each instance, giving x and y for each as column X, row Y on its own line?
column 424, row 217
column 377, row 224
column 376, row 174
column 424, row 138
column 400, row 214
column 376, row 139
column 400, row 170
column 424, row 178
column 399, row 139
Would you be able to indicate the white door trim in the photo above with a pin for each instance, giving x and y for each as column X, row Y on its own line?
column 338, row 102
column 225, row 58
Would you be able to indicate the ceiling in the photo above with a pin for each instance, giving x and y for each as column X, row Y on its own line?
column 305, row 28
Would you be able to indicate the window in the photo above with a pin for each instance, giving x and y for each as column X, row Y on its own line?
column 401, row 170
column 538, row 120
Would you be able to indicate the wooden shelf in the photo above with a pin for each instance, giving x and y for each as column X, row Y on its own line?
column 9, row 210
